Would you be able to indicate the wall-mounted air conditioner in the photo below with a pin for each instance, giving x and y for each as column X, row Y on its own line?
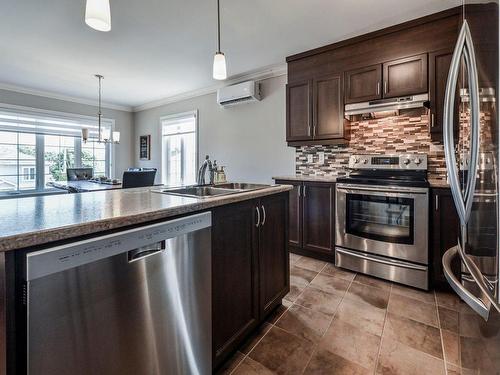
column 240, row 93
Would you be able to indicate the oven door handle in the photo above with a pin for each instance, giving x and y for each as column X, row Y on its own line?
column 377, row 259
column 395, row 192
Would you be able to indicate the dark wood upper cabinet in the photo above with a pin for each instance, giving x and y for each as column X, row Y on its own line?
column 235, row 305
column 405, row 76
column 363, row 84
column 298, row 111
column 328, row 110
column 318, row 217
column 274, row 281
column 439, row 65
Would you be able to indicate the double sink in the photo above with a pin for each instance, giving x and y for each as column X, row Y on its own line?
column 210, row 191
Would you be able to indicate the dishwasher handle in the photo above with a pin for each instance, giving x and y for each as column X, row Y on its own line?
column 145, row 251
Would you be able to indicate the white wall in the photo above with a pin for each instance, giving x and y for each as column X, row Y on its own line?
column 249, row 139
column 123, row 121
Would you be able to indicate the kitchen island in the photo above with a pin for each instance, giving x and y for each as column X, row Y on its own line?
column 250, row 270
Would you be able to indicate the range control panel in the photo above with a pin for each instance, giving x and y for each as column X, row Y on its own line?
column 417, row 162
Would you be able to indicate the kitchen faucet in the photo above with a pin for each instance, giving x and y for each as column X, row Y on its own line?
column 203, row 168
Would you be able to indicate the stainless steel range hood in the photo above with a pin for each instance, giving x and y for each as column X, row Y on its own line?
column 392, row 104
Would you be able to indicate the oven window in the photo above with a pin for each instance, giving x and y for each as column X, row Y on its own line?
column 387, row 219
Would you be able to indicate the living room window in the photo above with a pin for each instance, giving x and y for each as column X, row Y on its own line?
column 36, row 147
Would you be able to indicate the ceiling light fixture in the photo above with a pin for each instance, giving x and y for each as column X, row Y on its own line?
column 98, row 15
column 105, row 135
column 219, row 70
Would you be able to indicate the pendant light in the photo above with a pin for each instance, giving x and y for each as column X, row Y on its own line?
column 219, row 69
column 98, row 15
column 105, row 135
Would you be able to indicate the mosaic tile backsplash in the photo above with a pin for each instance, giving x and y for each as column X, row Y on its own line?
column 397, row 134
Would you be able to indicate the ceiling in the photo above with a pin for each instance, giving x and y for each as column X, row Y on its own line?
column 163, row 48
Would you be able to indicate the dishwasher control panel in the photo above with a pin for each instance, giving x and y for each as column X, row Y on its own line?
column 56, row 259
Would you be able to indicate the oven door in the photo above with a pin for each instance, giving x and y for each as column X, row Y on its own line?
column 385, row 220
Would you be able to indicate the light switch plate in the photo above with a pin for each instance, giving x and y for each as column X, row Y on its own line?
column 321, row 157
column 309, row 158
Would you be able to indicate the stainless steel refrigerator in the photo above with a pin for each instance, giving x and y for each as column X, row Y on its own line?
column 470, row 135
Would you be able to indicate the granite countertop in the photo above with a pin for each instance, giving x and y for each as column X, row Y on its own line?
column 39, row 220
column 307, row 178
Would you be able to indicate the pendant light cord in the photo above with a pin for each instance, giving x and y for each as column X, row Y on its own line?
column 99, row 113
column 218, row 27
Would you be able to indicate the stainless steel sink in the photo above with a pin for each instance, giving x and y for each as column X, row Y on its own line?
column 212, row 191
column 199, row 191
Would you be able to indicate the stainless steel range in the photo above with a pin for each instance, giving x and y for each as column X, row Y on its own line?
column 382, row 218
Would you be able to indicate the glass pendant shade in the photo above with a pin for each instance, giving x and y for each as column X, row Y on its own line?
column 116, row 137
column 219, row 72
column 98, row 15
column 105, row 134
column 85, row 135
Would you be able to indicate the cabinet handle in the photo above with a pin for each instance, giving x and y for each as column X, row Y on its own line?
column 385, row 87
column 300, row 191
column 378, row 88
column 304, row 190
column 258, row 217
column 432, row 120
column 309, row 130
column 264, row 215
column 436, row 202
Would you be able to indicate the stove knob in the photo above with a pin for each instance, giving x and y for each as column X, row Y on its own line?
column 356, row 160
column 365, row 161
column 417, row 161
column 406, row 161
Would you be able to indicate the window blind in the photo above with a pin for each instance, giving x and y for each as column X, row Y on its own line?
column 24, row 121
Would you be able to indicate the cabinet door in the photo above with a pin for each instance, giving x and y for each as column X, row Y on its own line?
column 274, row 280
column 405, row 76
column 318, row 217
column 328, row 112
column 363, row 84
column 235, row 309
column 444, row 232
column 298, row 111
column 294, row 213
column 439, row 65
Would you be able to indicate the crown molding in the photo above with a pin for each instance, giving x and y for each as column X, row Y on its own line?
column 257, row 75
column 67, row 98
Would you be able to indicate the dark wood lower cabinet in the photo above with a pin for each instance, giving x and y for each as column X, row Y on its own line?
column 235, row 309
column 250, row 268
column 311, row 218
column 274, row 280
column 318, row 218
column 444, row 228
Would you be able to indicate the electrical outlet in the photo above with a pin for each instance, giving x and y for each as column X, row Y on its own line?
column 321, row 157
column 309, row 158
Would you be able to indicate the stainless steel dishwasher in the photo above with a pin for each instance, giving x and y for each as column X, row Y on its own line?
column 133, row 302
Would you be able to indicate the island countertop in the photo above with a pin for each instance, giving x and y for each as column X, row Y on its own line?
column 32, row 221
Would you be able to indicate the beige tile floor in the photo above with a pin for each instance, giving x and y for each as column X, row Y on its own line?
column 337, row 322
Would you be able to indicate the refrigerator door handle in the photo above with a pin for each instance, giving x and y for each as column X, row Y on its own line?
column 464, row 47
column 478, row 278
column 470, row 61
column 475, row 303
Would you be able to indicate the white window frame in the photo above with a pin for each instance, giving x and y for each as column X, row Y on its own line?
column 174, row 116
column 40, row 147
